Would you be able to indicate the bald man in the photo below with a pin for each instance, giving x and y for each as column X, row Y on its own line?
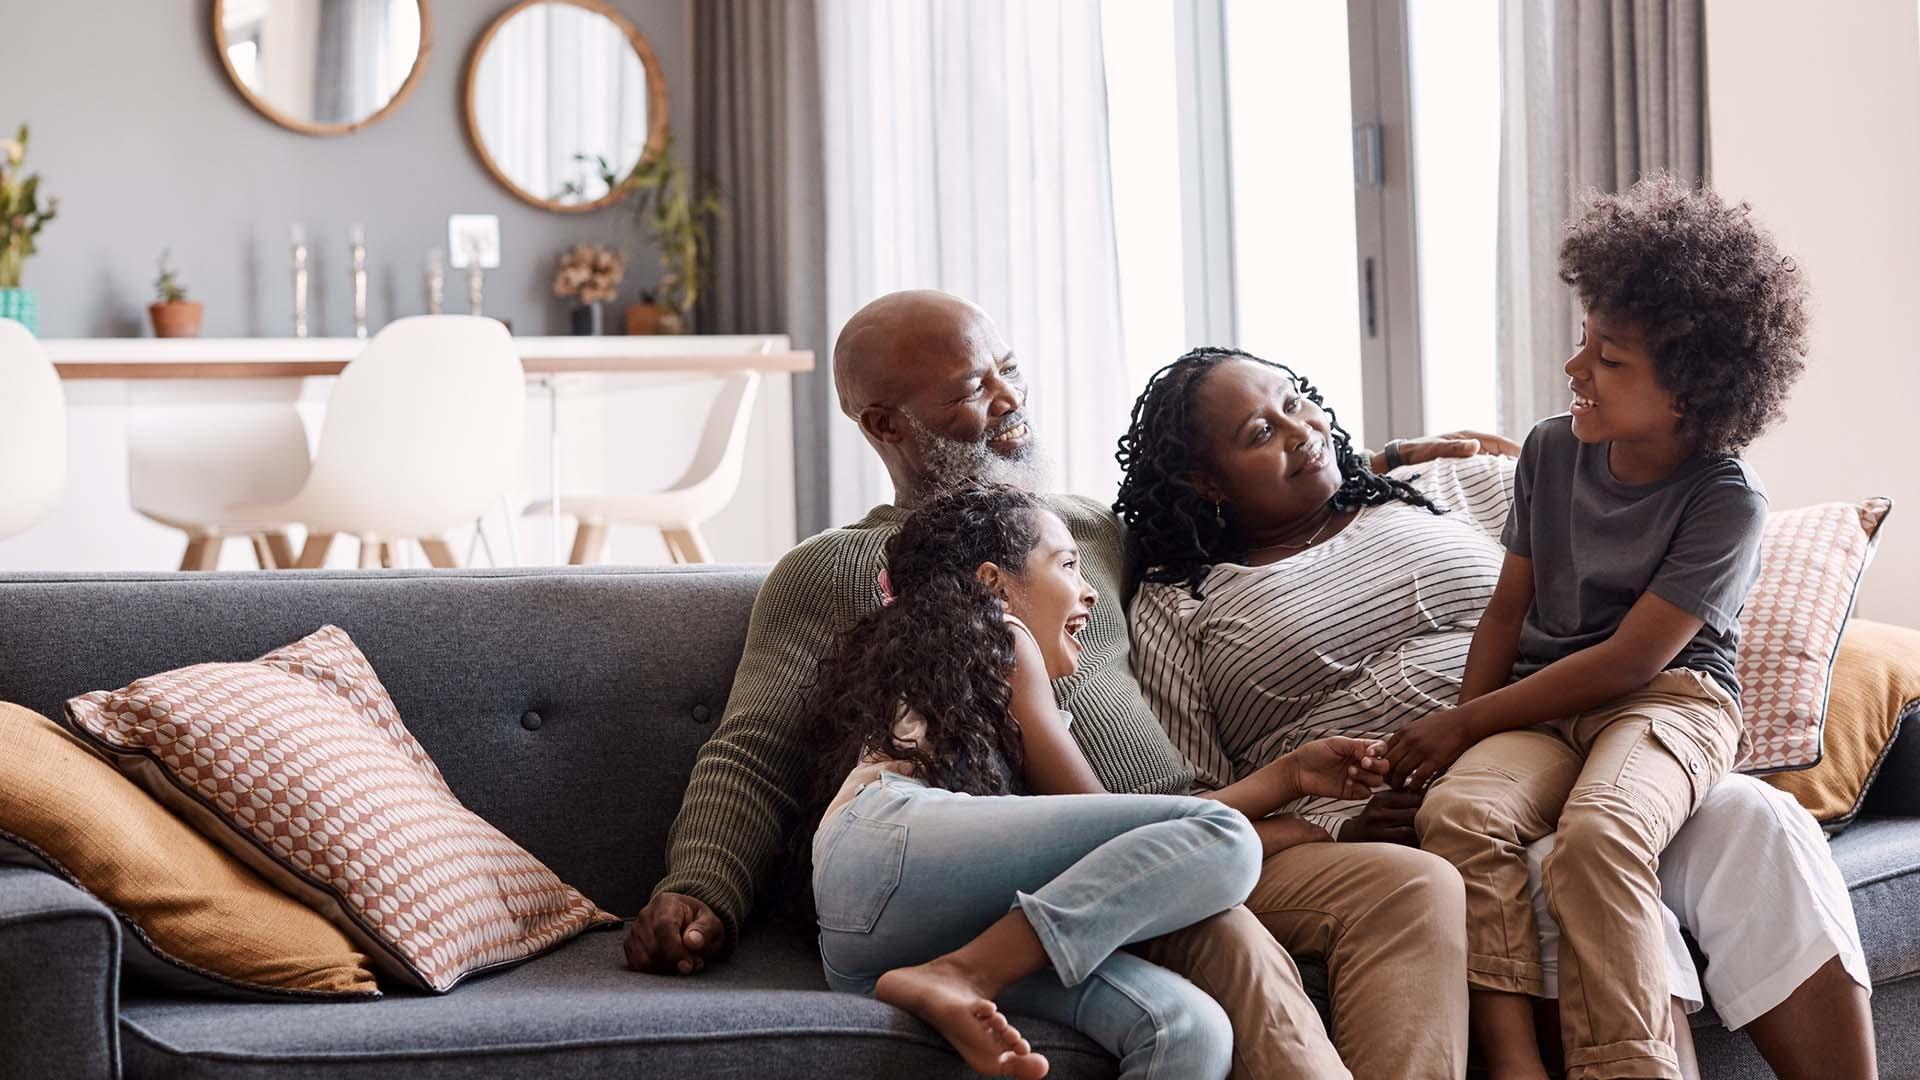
column 941, row 398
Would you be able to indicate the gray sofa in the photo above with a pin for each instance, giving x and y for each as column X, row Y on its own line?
column 565, row 707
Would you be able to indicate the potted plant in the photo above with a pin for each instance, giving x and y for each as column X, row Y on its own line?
column 675, row 212
column 172, row 313
column 590, row 273
column 21, row 219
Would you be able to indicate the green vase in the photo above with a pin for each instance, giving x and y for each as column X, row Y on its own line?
column 21, row 306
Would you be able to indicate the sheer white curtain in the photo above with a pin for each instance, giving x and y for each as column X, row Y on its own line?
column 966, row 150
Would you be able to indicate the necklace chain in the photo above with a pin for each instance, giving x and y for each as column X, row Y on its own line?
column 1311, row 540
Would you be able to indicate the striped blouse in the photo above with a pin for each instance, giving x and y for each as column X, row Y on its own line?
column 1357, row 636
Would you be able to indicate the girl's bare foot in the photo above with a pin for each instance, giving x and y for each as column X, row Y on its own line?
column 940, row 993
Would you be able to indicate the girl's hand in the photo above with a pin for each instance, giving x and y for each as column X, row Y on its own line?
column 1337, row 767
column 1282, row 831
column 1426, row 748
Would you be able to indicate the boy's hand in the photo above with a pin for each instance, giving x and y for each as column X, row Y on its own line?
column 1387, row 819
column 1337, row 767
column 1426, row 748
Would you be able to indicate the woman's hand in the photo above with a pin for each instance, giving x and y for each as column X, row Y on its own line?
column 1426, row 748
column 1387, row 819
column 1336, row 767
column 1282, row 831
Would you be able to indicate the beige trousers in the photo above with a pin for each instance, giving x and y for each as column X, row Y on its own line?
column 1387, row 921
column 1616, row 783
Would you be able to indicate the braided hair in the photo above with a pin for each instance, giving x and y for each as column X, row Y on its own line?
column 1174, row 534
column 940, row 648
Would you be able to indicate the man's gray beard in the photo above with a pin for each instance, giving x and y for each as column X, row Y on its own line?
column 951, row 463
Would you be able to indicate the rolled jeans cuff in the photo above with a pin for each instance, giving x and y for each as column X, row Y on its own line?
column 1639, row 1059
column 1503, row 974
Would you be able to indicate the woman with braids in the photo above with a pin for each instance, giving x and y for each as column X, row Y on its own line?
column 967, row 858
column 1294, row 590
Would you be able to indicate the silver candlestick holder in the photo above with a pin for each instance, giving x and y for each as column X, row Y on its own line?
column 476, row 278
column 358, row 248
column 299, row 281
column 436, row 281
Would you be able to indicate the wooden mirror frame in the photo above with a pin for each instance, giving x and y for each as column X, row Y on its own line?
column 657, row 126
column 306, row 127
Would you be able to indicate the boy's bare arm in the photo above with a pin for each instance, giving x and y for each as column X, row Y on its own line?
column 1496, row 640
column 1647, row 640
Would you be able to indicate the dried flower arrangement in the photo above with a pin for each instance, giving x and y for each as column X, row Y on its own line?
column 590, row 273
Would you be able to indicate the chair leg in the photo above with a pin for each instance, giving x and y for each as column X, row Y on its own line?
column 687, row 544
column 589, row 543
column 203, row 553
column 281, row 549
column 439, row 553
column 369, row 553
column 313, row 554
column 262, row 554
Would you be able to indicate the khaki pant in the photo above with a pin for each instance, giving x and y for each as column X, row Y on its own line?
column 1616, row 783
column 1387, row 921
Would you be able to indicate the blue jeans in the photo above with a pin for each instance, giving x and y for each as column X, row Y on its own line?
column 906, row 873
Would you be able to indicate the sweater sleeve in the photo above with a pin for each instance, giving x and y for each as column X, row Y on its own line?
column 749, row 779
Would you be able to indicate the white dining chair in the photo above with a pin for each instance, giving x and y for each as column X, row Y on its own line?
column 33, row 431
column 194, row 450
column 701, row 492
column 424, row 431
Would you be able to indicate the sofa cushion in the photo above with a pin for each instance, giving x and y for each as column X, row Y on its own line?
column 1876, row 688
column 1880, row 859
column 298, row 764
column 575, row 738
column 198, row 918
column 578, row 1012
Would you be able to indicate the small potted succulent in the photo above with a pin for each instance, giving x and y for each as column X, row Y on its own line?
column 173, row 314
column 590, row 274
column 21, row 219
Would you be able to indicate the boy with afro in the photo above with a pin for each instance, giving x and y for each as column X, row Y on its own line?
column 1599, row 698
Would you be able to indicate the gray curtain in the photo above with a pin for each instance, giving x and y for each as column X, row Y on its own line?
column 757, row 119
column 1594, row 94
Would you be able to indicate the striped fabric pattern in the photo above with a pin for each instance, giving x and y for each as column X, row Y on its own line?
column 1357, row 636
column 744, row 794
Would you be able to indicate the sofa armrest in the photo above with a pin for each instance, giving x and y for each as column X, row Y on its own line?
column 59, row 979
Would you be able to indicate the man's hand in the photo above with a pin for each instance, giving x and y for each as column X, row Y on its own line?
column 1452, row 444
column 1336, row 767
column 1387, row 819
column 674, row 933
column 1282, row 831
column 1426, row 748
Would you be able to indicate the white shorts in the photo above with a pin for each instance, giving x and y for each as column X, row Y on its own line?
column 1751, row 877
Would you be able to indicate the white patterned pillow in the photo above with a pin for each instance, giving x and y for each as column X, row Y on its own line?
column 1811, row 560
column 299, row 765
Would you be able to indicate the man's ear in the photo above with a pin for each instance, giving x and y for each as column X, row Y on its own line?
column 883, row 424
column 994, row 578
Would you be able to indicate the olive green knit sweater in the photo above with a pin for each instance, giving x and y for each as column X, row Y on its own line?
column 751, row 776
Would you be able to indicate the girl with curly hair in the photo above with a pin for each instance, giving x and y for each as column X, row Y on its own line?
column 967, row 859
column 1293, row 588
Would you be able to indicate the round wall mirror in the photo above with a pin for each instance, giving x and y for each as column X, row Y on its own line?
column 564, row 99
column 323, row 67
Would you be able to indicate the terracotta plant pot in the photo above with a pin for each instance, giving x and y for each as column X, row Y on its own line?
column 181, row 318
column 644, row 318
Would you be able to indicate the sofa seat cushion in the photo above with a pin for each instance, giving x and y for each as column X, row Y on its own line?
column 577, row 1012
column 1880, row 859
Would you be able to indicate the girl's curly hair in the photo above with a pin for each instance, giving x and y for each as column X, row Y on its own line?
column 940, row 648
column 1173, row 533
column 1722, row 310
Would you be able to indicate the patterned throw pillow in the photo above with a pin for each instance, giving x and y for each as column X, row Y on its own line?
column 1811, row 560
column 298, row 764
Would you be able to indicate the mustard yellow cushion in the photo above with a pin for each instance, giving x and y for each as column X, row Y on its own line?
column 192, row 905
column 1876, row 677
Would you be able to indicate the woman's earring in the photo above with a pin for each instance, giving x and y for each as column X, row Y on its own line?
column 1219, row 519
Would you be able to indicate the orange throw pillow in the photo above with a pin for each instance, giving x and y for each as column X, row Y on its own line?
column 208, row 922
column 298, row 764
column 1876, row 680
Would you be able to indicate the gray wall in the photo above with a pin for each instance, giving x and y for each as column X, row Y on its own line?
column 147, row 144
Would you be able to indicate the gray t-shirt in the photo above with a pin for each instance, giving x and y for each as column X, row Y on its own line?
column 1692, row 539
